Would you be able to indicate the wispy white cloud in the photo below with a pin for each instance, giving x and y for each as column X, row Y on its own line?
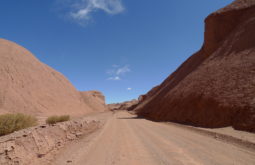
column 129, row 89
column 116, row 72
column 81, row 10
column 116, row 78
column 123, row 70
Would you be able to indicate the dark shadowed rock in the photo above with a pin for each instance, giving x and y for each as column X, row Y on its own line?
column 215, row 87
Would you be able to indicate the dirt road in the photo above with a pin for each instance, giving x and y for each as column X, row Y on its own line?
column 126, row 140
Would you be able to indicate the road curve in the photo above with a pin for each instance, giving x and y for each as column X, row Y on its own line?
column 127, row 140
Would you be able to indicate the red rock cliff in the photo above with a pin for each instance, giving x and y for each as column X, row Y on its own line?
column 215, row 87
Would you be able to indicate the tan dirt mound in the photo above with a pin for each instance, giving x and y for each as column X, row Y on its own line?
column 31, row 87
column 215, row 87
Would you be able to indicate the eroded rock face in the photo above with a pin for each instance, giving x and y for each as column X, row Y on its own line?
column 39, row 144
column 95, row 100
column 215, row 87
column 31, row 87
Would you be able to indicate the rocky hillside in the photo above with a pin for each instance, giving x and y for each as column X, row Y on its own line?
column 215, row 87
column 95, row 100
column 31, row 87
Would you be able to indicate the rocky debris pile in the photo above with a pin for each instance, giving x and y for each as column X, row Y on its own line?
column 215, row 86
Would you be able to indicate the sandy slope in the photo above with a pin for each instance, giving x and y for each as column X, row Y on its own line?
column 126, row 140
column 32, row 87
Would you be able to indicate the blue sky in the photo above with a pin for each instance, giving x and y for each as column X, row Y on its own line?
column 122, row 48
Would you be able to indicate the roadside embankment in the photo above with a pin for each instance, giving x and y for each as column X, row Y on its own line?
column 36, row 145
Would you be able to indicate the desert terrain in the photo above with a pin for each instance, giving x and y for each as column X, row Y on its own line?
column 120, row 137
column 201, row 114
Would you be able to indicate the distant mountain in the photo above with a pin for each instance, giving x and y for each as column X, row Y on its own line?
column 215, row 87
column 127, row 105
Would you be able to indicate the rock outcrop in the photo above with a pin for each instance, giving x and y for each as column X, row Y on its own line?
column 31, row 87
column 127, row 105
column 95, row 100
column 215, row 87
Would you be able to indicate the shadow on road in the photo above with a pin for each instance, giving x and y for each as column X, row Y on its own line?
column 130, row 117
